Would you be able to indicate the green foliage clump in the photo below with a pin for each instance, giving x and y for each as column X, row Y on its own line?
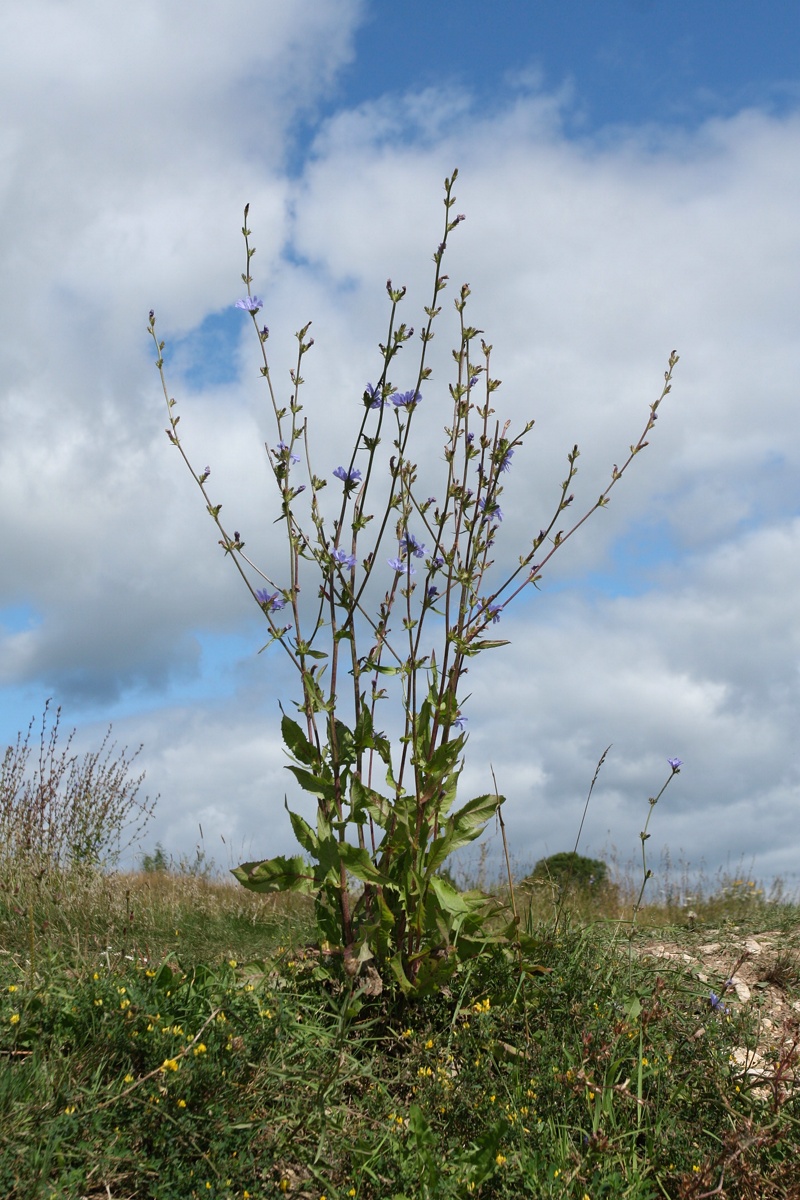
column 571, row 870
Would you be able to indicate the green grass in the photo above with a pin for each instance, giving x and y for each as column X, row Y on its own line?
column 170, row 1037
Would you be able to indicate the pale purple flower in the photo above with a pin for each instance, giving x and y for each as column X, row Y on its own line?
column 373, row 397
column 473, row 381
column 717, row 1004
column 675, row 763
column 271, row 601
column 433, row 592
column 250, row 303
column 284, row 451
column 491, row 510
column 505, row 464
column 410, row 545
column 352, row 477
column 343, row 558
column 399, row 564
column 406, row 399
column 460, row 722
column 494, row 611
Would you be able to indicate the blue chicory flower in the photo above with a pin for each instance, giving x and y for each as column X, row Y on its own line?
column 406, row 399
column 374, row 395
column 272, row 601
column 343, row 558
column 491, row 510
column 284, row 449
column 353, row 476
column 675, row 763
column 460, row 722
column 494, row 611
column 250, row 303
column 399, row 564
column 717, row 1004
column 505, row 464
column 410, row 545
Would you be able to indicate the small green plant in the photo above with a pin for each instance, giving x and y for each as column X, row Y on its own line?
column 387, row 594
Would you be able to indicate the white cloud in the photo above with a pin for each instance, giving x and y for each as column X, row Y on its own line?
column 123, row 179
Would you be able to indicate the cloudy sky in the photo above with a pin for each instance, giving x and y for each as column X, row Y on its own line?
column 629, row 173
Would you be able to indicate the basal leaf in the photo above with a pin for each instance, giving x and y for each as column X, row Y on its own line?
column 277, row 875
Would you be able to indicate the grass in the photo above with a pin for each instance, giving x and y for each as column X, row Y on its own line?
column 170, row 1037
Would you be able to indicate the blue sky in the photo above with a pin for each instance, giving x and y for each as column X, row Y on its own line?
column 629, row 173
column 673, row 62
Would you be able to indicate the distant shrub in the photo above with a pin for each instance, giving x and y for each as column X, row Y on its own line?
column 69, row 811
column 569, row 870
column 155, row 862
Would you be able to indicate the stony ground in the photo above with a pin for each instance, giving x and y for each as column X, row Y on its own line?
column 757, row 974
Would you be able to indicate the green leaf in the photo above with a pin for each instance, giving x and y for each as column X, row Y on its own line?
column 487, row 644
column 358, row 862
column 323, row 789
column 302, row 749
column 366, row 802
column 277, row 875
column 454, row 902
column 463, row 827
column 303, row 832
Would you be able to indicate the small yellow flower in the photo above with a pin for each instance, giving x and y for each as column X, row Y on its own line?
column 200, row 1048
column 98, row 1003
column 150, row 974
column 407, row 1033
column 95, row 977
column 124, row 1004
column 181, row 1104
column 169, row 1064
column 429, row 1044
column 500, row 1159
column 284, row 1185
column 14, row 1019
column 70, row 1109
column 121, row 991
column 352, row 1192
column 12, row 987
column 128, row 1079
column 232, row 962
